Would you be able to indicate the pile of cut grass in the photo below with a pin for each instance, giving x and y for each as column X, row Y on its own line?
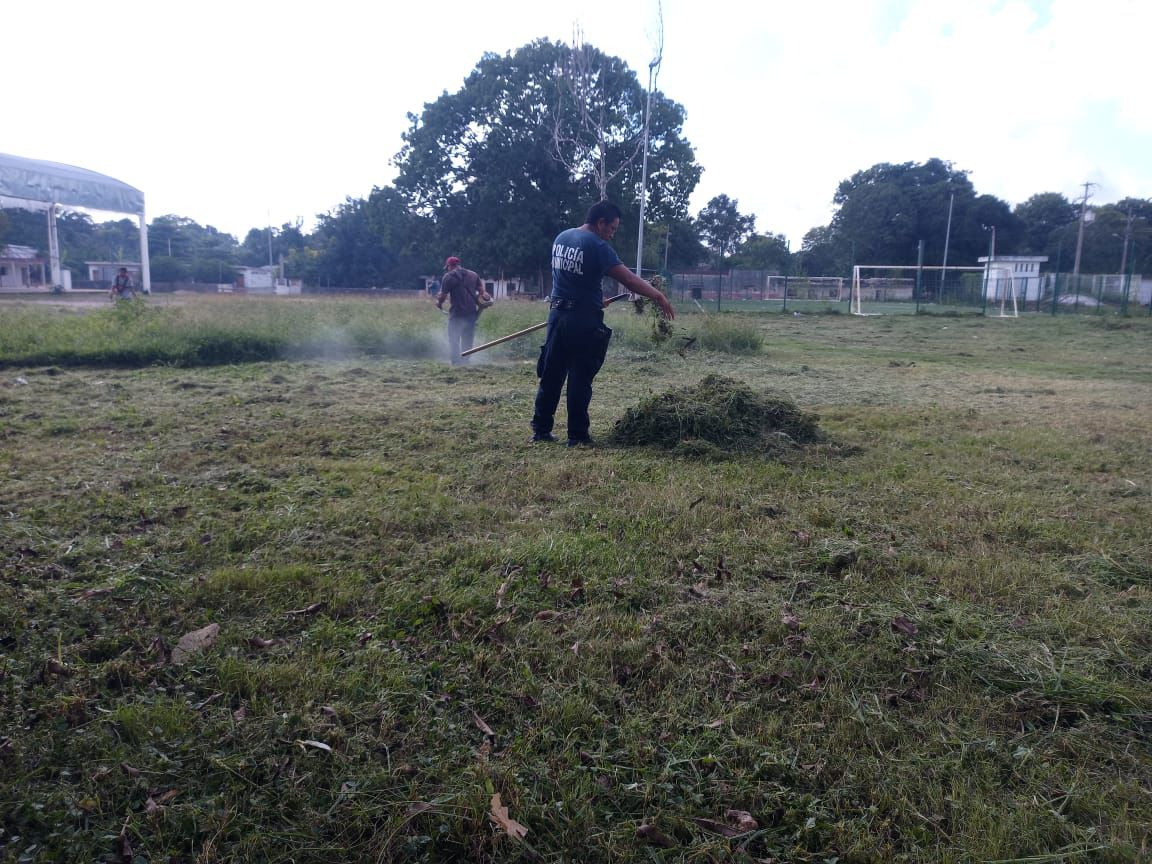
column 718, row 412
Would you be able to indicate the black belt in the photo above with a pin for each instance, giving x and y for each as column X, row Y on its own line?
column 566, row 305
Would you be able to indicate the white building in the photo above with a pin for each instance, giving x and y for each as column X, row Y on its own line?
column 106, row 271
column 1006, row 276
column 498, row 289
column 21, row 268
column 265, row 280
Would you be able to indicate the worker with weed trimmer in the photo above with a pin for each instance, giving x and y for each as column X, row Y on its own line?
column 577, row 340
column 468, row 298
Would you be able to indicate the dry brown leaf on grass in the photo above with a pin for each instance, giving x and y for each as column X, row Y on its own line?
column 717, row 827
column 124, row 847
column 482, row 726
column 197, row 640
column 741, row 820
column 155, row 805
column 498, row 813
column 790, row 619
column 905, row 626
column 736, row 823
column 652, row 834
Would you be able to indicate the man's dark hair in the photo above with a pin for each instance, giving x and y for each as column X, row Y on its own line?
column 605, row 210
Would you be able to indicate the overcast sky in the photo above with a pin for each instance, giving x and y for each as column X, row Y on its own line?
column 237, row 114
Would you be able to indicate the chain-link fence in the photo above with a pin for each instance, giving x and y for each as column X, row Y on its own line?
column 758, row 290
column 907, row 290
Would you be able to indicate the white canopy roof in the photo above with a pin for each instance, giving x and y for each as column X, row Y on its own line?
column 53, row 183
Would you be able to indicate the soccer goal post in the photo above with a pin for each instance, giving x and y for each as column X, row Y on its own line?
column 879, row 284
column 1002, row 287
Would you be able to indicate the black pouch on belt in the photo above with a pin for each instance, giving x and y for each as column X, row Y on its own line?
column 601, row 336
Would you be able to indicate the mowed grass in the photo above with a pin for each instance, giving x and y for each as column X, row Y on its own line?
column 925, row 639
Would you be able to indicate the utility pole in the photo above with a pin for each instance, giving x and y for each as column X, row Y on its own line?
column 1127, row 237
column 1080, row 234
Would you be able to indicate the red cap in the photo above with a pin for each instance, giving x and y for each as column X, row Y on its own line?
column 452, row 261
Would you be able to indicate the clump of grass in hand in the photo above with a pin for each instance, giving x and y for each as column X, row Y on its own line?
column 721, row 411
column 662, row 329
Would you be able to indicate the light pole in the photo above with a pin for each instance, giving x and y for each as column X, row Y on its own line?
column 947, row 237
column 652, row 67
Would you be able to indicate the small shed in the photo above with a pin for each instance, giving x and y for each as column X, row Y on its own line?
column 21, row 267
column 265, row 280
column 1008, row 276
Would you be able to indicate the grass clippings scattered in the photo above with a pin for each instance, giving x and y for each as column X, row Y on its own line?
column 929, row 644
column 717, row 412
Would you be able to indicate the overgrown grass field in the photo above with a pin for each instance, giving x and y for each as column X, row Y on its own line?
column 927, row 638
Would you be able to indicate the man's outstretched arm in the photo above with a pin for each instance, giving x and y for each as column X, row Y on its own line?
column 645, row 289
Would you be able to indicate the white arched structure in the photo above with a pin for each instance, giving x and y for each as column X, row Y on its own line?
column 33, row 184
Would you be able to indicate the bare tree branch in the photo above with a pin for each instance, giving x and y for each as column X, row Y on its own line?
column 582, row 136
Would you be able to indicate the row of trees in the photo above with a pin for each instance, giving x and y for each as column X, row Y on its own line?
column 495, row 170
column 180, row 249
column 884, row 212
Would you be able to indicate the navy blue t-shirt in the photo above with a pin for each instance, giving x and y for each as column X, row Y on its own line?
column 579, row 261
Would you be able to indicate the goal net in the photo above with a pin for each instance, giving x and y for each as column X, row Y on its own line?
column 1001, row 288
column 878, row 288
column 806, row 287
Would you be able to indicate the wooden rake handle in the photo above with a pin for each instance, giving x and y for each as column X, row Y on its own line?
column 528, row 330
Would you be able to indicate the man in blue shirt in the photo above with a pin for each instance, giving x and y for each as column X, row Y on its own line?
column 577, row 340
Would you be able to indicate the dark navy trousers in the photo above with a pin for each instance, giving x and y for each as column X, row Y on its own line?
column 574, row 350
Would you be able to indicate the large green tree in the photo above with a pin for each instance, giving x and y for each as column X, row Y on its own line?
column 181, row 249
column 723, row 227
column 764, row 252
column 368, row 242
column 506, row 162
column 884, row 212
column 1041, row 216
column 823, row 252
column 264, row 246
